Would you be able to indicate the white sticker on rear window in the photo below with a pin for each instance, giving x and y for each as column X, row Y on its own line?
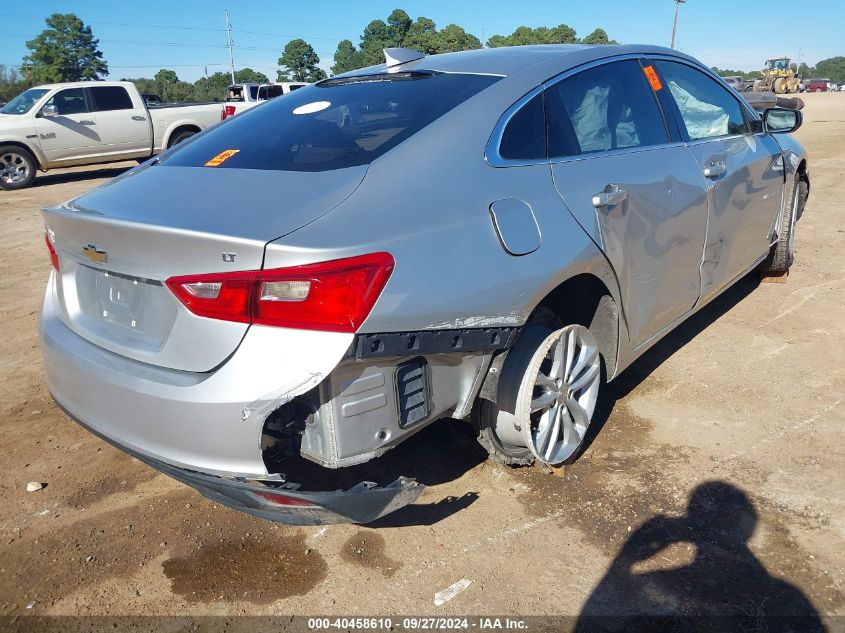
column 311, row 108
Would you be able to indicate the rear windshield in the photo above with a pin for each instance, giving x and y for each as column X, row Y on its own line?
column 331, row 125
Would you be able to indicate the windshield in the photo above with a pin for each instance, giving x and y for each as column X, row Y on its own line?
column 334, row 124
column 24, row 101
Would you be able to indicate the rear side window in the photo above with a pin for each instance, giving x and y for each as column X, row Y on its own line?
column 707, row 109
column 270, row 92
column 111, row 98
column 524, row 136
column 603, row 108
column 334, row 124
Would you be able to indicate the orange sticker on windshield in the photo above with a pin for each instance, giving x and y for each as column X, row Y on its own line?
column 652, row 77
column 222, row 157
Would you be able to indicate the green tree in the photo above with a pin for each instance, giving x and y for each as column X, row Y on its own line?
column 11, row 83
column 346, row 58
column 374, row 39
column 724, row 72
column 422, row 36
column 166, row 81
column 299, row 62
column 212, row 88
column 65, row 51
column 806, row 71
column 599, row 36
column 165, row 76
column 398, row 24
column 454, row 38
column 250, row 76
column 523, row 35
column 832, row 68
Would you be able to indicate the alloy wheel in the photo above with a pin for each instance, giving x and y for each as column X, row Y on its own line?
column 13, row 168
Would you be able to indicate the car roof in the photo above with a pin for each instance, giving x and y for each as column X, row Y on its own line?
column 509, row 61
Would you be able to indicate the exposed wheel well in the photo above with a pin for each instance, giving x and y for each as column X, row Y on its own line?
column 584, row 299
column 179, row 130
column 24, row 147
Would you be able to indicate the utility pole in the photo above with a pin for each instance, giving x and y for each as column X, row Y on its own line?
column 678, row 4
column 230, row 43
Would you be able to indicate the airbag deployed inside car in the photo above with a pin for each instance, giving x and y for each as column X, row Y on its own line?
column 703, row 120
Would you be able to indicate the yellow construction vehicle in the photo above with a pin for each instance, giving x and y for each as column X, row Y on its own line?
column 779, row 76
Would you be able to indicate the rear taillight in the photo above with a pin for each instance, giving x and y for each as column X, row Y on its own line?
column 284, row 500
column 54, row 256
column 333, row 296
column 227, row 112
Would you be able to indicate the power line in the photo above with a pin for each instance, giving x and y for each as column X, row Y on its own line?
column 192, row 28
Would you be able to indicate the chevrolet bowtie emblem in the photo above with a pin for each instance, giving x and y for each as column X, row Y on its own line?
column 95, row 255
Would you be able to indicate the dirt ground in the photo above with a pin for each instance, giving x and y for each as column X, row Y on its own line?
column 714, row 482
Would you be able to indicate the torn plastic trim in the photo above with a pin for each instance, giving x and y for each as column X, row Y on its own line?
column 266, row 404
column 426, row 342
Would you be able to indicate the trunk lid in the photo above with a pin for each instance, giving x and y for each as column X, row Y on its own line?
column 118, row 244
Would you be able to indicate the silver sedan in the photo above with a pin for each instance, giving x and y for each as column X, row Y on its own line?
column 489, row 235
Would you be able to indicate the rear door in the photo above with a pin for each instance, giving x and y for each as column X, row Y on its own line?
column 640, row 195
column 744, row 171
column 73, row 133
column 124, row 126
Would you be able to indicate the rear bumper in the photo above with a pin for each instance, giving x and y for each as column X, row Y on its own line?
column 284, row 502
column 207, row 422
column 205, row 429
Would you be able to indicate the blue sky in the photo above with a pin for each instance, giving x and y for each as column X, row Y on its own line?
column 139, row 37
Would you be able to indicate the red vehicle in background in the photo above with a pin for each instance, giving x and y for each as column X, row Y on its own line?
column 817, row 85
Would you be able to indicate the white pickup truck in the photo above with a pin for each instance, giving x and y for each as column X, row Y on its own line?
column 88, row 122
column 242, row 97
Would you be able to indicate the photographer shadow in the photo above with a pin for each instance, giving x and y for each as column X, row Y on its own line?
column 725, row 587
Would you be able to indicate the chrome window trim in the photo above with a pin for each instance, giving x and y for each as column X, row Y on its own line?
column 611, row 152
column 494, row 159
column 491, row 152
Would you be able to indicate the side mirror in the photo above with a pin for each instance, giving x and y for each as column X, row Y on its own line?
column 49, row 110
column 781, row 120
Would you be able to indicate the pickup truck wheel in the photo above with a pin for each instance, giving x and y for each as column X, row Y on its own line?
column 179, row 137
column 17, row 167
column 781, row 254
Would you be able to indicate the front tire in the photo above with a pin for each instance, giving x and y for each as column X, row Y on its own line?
column 17, row 167
column 781, row 254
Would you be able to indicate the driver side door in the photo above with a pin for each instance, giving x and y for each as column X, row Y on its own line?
column 72, row 133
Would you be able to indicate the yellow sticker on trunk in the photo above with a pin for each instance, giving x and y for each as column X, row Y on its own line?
column 222, row 157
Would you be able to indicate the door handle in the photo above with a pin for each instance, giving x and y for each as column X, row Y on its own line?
column 86, row 122
column 609, row 198
column 138, row 117
column 714, row 170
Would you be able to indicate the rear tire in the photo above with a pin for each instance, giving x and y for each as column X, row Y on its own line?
column 782, row 254
column 550, row 380
column 485, row 413
column 17, row 167
column 177, row 138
